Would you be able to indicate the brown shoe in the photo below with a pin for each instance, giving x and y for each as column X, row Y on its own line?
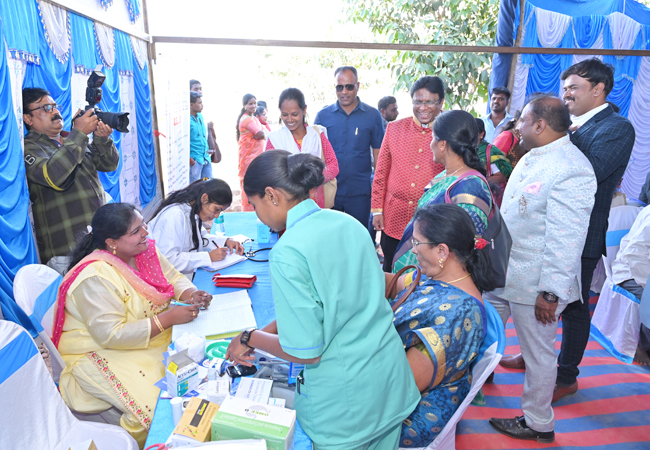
column 513, row 362
column 561, row 392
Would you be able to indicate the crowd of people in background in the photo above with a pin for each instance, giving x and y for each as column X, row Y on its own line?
column 432, row 184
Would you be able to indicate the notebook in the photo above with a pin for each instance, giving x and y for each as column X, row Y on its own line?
column 228, row 315
column 230, row 260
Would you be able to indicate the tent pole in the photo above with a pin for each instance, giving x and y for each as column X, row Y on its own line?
column 515, row 56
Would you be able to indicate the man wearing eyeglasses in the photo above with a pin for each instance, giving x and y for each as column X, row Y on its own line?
column 62, row 167
column 405, row 165
column 355, row 131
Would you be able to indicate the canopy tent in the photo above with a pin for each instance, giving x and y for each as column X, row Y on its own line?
column 592, row 24
column 49, row 47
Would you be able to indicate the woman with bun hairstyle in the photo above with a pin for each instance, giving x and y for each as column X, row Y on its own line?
column 455, row 146
column 250, row 137
column 331, row 312
column 444, row 320
column 177, row 228
column 298, row 137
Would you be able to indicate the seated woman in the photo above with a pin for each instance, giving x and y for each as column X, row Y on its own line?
column 113, row 320
column 356, row 388
column 443, row 322
column 176, row 226
column 454, row 145
column 296, row 136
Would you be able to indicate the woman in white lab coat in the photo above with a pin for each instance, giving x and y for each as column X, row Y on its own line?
column 177, row 226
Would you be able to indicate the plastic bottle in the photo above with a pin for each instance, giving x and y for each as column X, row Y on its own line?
column 220, row 224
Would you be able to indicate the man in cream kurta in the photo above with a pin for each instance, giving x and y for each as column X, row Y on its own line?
column 546, row 207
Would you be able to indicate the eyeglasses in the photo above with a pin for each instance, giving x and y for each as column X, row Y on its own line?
column 415, row 243
column 428, row 104
column 47, row 108
column 348, row 87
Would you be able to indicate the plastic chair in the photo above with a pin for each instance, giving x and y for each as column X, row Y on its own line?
column 490, row 354
column 35, row 290
column 38, row 418
column 616, row 322
column 621, row 219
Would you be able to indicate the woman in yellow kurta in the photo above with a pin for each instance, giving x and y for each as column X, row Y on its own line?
column 251, row 139
column 113, row 321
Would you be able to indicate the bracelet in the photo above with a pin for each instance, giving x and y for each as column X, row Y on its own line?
column 158, row 324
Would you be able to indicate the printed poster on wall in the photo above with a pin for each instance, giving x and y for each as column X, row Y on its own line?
column 130, row 174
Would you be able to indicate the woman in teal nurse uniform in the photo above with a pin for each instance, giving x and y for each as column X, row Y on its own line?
column 328, row 291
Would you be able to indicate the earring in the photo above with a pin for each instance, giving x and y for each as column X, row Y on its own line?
column 440, row 261
column 275, row 203
column 115, row 251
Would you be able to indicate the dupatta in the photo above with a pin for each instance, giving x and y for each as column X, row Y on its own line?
column 282, row 139
column 148, row 280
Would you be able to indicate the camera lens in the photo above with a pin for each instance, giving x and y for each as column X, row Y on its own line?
column 117, row 121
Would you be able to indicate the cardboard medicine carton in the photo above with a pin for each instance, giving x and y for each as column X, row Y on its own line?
column 182, row 374
column 195, row 423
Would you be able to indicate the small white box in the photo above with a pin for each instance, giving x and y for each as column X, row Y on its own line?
column 182, row 374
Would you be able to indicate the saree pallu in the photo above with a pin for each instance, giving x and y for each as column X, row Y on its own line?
column 471, row 194
column 249, row 149
column 448, row 325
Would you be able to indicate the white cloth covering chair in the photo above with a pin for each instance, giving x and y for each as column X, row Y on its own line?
column 621, row 219
column 34, row 415
column 489, row 356
column 35, row 290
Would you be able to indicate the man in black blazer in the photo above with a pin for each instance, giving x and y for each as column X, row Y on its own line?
column 606, row 138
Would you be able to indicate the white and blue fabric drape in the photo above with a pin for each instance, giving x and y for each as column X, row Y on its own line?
column 595, row 24
column 48, row 47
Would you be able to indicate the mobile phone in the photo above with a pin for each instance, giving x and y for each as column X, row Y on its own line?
column 240, row 371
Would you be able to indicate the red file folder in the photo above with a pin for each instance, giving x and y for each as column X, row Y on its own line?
column 236, row 281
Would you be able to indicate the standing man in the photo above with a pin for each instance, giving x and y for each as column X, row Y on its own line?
column 606, row 139
column 62, row 167
column 353, row 128
column 200, row 162
column 498, row 118
column 213, row 146
column 546, row 207
column 405, row 166
column 387, row 107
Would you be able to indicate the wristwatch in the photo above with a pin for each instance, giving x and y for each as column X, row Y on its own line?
column 246, row 336
column 550, row 297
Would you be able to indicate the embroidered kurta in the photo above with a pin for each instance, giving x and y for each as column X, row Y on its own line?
column 110, row 358
column 546, row 207
column 404, row 167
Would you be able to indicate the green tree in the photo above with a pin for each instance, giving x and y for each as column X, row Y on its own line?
column 451, row 22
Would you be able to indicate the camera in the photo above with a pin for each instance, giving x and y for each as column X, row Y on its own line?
column 117, row 121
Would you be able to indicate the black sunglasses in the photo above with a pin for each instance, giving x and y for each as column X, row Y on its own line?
column 348, row 87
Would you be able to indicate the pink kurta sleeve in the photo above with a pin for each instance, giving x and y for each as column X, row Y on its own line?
column 252, row 125
column 382, row 170
column 331, row 163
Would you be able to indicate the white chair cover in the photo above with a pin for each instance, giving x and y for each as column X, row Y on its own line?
column 35, row 290
column 490, row 354
column 34, row 414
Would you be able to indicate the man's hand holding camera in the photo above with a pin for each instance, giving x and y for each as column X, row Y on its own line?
column 89, row 123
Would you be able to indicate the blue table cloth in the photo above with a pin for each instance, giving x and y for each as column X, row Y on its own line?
column 263, row 309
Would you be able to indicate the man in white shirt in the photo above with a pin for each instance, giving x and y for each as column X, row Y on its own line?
column 498, row 118
column 631, row 270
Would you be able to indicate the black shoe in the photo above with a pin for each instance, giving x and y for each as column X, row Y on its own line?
column 517, row 428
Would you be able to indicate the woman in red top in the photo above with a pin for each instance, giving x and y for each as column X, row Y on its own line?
column 298, row 137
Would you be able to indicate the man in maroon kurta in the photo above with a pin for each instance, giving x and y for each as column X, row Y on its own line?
column 405, row 165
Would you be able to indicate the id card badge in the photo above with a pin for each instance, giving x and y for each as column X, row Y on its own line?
column 294, row 371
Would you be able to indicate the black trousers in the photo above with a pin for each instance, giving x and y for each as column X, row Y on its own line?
column 388, row 246
column 576, row 325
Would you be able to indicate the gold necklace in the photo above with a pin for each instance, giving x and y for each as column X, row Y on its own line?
column 454, row 171
column 460, row 279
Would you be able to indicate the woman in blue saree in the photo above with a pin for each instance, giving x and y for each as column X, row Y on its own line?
column 454, row 145
column 443, row 322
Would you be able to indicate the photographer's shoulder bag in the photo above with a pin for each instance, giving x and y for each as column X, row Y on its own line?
column 496, row 233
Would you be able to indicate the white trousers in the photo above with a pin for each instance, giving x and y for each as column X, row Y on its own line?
column 537, row 343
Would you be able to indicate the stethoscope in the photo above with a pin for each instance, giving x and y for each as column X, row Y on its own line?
column 251, row 254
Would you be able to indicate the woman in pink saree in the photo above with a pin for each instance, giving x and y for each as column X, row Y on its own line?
column 251, row 137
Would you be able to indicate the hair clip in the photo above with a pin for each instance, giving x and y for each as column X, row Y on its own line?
column 90, row 229
column 480, row 243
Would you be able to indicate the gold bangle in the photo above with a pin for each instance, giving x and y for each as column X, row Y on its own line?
column 158, row 324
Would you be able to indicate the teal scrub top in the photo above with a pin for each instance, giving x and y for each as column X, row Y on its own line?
column 328, row 290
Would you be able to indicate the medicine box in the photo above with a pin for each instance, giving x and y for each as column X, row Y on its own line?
column 238, row 418
column 182, row 374
column 195, row 423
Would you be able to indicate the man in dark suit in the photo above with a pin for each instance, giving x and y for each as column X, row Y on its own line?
column 606, row 139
